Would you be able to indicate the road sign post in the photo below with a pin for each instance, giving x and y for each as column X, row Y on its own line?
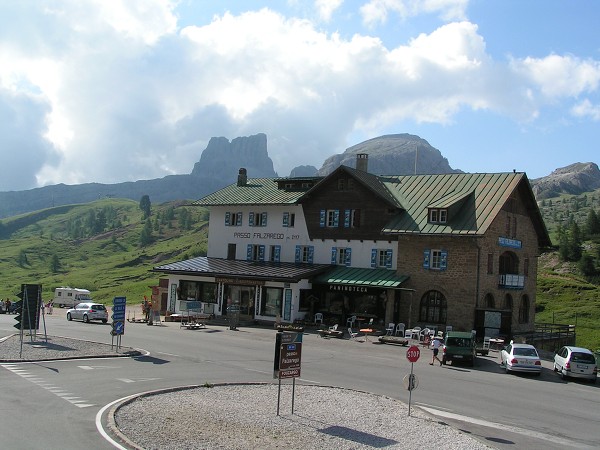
column 287, row 361
column 412, row 354
column 118, row 317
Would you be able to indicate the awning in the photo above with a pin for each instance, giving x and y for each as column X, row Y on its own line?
column 353, row 276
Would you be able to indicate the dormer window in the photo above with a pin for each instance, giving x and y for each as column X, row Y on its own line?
column 438, row 215
column 341, row 184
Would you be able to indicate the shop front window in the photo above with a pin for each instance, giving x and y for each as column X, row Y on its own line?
column 271, row 301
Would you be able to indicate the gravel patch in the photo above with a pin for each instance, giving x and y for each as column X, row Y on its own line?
column 244, row 416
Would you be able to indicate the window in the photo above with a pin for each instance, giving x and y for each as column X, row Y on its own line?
column 489, row 301
column 433, row 308
column 435, row 259
column 352, row 218
column 341, row 184
column 197, row 291
column 508, row 302
column 333, row 218
column 231, row 248
column 341, row 256
column 255, row 252
column 381, row 257
column 350, row 185
column 524, row 310
column 289, row 219
column 257, row 219
column 438, row 215
column 233, row 219
column 304, row 254
column 271, row 301
column 275, row 253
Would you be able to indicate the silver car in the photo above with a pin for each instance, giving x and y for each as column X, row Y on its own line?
column 520, row 358
column 576, row 362
column 87, row 312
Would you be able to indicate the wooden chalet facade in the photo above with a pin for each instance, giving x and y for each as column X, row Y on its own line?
column 451, row 249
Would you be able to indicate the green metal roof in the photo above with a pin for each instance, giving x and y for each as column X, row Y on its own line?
column 256, row 191
column 354, row 276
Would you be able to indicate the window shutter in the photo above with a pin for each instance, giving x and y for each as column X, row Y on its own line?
column 336, row 218
column 264, row 219
column 426, row 254
column 249, row 252
column 333, row 255
column 261, row 252
column 251, row 219
column 388, row 258
column 239, row 219
column 443, row 259
column 348, row 257
column 311, row 254
column 347, row 218
column 374, row 257
column 277, row 253
column 322, row 218
column 227, row 218
column 298, row 254
column 286, row 219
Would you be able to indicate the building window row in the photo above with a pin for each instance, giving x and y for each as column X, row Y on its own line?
column 331, row 218
column 257, row 219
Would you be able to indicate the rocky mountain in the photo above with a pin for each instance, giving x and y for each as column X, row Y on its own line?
column 393, row 154
column 573, row 179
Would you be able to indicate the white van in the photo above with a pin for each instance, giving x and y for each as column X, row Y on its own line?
column 67, row 297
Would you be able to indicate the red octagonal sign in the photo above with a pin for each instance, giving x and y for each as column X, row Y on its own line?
column 413, row 353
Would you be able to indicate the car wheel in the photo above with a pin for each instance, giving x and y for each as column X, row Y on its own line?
column 104, row 320
column 443, row 360
column 506, row 369
column 555, row 369
column 69, row 316
column 86, row 319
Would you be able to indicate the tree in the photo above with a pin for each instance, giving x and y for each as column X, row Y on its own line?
column 146, row 236
column 54, row 264
column 587, row 266
column 592, row 224
column 23, row 261
column 145, row 205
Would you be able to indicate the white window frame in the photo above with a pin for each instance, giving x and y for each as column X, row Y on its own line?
column 435, row 259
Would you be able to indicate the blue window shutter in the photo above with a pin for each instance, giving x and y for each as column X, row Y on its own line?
column 261, row 252
column 264, row 219
column 277, row 253
column 311, row 254
column 251, row 219
column 322, row 218
column 374, row 257
column 249, row 252
column 426, row 254
column 347, row 218
column 333, row 255
column 336, row 218
column 227, row 218
column 388, row 258
column 286, row 219
column 239, row 219
column 348, row 257
column 298, row 254
column 443, row 259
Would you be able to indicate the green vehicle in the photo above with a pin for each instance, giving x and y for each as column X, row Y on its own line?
column 459, row 347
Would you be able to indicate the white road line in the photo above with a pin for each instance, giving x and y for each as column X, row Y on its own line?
column 168, row 354
column 500, row 426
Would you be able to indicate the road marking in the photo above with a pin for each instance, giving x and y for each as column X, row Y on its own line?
column 500, row 426
column 96, row 367
column 168, row 354
column 128, row 380
column 56, row 390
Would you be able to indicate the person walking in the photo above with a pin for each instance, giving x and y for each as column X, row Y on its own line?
column 436, row 344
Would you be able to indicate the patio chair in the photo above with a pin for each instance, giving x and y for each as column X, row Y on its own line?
column 352, row 334
column 400, row 329
column 333, row 327
column 416, row 333
column 390, row 329
column 486, row 342
column 350, row 321
column 319, row 318
column 425, row 332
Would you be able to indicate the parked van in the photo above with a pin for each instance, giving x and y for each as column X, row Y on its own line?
column 459, row 347
column 67, row 297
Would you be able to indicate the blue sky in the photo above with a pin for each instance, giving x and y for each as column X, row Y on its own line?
column 112, row 91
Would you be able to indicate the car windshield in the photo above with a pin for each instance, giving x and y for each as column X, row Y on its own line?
column 458, row 342
column 585, row 358
column 524, row 352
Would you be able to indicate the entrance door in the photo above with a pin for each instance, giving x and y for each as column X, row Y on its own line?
column 240, row 300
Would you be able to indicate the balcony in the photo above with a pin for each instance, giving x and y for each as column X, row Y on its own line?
column 511, row 281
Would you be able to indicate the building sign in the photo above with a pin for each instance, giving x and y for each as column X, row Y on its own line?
column 506, row 242
column 287, row 305
column 240, row 282
column 173, row 297
column 248, row 235
column 348, row 288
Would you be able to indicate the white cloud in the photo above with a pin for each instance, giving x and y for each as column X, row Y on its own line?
column 585, row 108
column 377, row 11
column 326, row 8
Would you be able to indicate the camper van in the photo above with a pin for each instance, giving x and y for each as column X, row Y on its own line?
column 67, row 297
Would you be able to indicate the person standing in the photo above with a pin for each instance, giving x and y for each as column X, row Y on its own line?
column 436, row 344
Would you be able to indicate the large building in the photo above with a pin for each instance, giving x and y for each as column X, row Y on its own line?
column 454, row 250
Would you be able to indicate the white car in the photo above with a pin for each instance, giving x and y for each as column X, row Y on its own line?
column 520, row 358
column 576, row 362
column 87, row 312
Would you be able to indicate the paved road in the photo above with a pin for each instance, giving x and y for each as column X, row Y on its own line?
column 56, row 404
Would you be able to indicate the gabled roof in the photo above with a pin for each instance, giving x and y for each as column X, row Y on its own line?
column 256, row 191
column 228, row 268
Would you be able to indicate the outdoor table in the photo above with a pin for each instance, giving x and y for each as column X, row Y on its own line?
column 366, row 331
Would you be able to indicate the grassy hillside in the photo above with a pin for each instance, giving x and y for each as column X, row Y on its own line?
column 56, row 247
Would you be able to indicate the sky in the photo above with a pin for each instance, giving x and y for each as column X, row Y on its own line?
column 120, row 90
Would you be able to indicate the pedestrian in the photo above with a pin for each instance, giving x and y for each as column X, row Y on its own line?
column 436, row 344
column 50, row 306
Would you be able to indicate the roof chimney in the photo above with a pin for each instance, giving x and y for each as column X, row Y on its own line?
column 242, row 177
column 362, row 162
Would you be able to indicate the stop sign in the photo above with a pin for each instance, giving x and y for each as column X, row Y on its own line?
column 413, row 353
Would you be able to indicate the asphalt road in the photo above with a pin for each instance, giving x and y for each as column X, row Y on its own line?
column 37, row 410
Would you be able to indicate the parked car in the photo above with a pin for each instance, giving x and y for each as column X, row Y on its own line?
column 576, row 362
column 87, row 312
column 459, row 347
column 521, row 358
